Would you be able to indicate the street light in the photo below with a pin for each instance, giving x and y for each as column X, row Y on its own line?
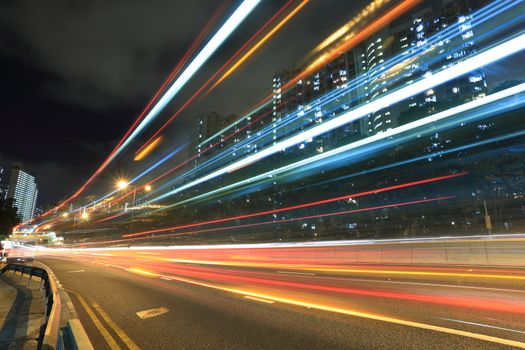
column 65, row 215
column 122, row 184
column 84, row 216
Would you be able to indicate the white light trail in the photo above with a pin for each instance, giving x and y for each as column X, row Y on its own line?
column 480, row 17
column 215, row 42
column 486, row 57
column 371, row 139
column 305, row 244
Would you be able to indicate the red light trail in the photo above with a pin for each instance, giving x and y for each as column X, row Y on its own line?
column 207, row 83
column 272, row 222
column 305, row 205
column 172, row 74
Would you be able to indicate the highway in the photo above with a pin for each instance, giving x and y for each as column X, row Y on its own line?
column 355, row 190
column 150, row 299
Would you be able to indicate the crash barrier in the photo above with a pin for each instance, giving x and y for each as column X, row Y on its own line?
column 487, row 251
column 61, row 328
column 508, row 250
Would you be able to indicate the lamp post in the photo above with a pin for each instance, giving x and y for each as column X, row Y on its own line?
column 122, row 185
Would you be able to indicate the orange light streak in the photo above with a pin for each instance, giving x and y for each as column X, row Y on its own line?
column 353, row 40
column 193, row 157
column 367, row 11
column 147, row 150
column 172, row 74
column 259, row 44
column 208, row 82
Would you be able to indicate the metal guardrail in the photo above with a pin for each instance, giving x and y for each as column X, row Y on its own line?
column 61, row 328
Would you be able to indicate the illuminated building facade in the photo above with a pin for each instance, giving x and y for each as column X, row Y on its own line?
column 431, row 21
column 23, row 190
column 208, row 124
column 3, row 185
column 370, row 58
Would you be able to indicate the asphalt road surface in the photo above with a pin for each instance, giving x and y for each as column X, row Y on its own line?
column 148, row 300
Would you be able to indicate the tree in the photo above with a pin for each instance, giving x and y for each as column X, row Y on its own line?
column 8, row 217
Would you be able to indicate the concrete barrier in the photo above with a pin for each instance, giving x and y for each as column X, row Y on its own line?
column 489, row 252
column 62, row 329
column 473, row 251
column 479, row 250
column 77, row 335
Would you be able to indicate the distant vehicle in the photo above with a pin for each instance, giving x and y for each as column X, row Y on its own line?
column 6, row 247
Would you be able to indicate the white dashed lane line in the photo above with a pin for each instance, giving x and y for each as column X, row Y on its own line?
column 483, row 325
column 259, row 299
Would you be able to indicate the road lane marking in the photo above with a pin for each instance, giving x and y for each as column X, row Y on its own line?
column 167, row 278
column 506, row 290
column 108, row 265
column 76, row 271
column 96, row 321
column 115, row 266
column 417, row 273
column 354, row 313
column 348, row 270
column 259, row 299
column 122, row 335
column 152, row 312
column 483, row 325
column 296, row 273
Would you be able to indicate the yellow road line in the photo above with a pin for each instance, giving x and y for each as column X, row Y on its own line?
column 349, row 312
column 123, row 335
column 96, row 321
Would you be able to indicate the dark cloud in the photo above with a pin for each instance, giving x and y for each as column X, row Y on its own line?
column 75, row 74
column 48, row 172
column 101, row 52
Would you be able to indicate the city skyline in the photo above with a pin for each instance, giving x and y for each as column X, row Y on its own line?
column 263, row 174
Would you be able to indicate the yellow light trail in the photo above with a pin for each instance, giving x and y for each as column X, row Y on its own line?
column 351, row 40
column 140, row 271
column 259, row 44
column 345, row 270
column 345, row 311
column 148, row 149
column 423, row 273
column 367, row 11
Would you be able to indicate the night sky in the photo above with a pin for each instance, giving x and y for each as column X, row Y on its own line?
column 76, row 74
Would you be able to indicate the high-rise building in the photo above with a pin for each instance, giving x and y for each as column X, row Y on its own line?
column 430, row 21
column 209, row 124
column 370, row 59
column 23, row 190
column 406, row 36
column 3, row 185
